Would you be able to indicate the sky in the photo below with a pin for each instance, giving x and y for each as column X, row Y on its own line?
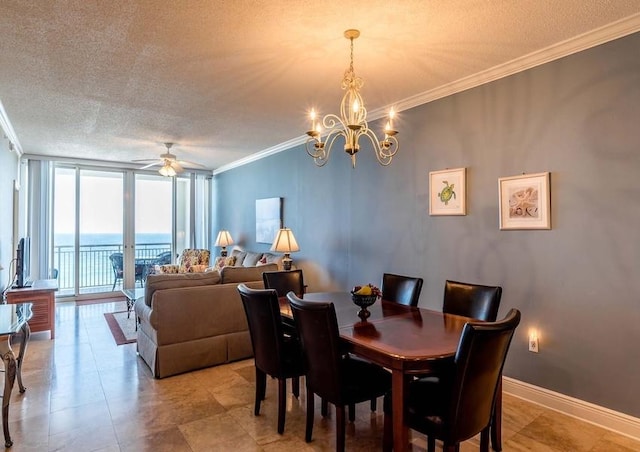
column 101, row 203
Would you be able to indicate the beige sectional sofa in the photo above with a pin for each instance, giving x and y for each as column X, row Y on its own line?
column 195, row 320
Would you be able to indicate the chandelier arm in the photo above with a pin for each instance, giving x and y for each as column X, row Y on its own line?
column 384, row 150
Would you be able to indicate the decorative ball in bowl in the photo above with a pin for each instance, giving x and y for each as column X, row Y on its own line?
column 365, row 296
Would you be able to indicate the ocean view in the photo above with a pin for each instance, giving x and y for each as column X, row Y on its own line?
column 110, row 239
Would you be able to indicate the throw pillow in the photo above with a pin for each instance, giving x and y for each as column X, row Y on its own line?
column 262, row 261
column 251, row 259
column 224, row 262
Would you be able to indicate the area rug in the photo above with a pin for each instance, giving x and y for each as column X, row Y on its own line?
column 122, row 328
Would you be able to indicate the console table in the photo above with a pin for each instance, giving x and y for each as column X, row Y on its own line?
column 42, row 295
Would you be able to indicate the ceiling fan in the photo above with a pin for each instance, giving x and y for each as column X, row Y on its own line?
column 170, row 163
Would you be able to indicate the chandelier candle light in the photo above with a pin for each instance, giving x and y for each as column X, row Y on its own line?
column 224, row 240
column 351, row 124
column 285, row 243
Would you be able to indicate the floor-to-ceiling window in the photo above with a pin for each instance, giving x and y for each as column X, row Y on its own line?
column 110, row 227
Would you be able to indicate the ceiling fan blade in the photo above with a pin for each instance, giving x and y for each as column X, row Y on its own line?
column 177, row 167
column 144, row 160
column 190, row 164
column 151, row 164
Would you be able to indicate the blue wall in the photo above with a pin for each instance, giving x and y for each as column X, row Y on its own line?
column 578, row 284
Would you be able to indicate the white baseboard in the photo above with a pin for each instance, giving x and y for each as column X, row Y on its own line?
column 594, row 414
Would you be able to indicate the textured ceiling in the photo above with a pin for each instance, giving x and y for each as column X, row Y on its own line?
column 112, row 80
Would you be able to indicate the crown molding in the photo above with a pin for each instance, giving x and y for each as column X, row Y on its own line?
column 593, row 38
column 7, row 128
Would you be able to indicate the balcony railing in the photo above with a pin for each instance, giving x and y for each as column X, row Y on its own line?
column 96, row 270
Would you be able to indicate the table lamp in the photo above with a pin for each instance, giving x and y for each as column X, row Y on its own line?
column 224, row 240
column 285, row 243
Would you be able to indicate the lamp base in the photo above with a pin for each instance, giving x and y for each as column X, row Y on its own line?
column 223, row 252
column 286, row 262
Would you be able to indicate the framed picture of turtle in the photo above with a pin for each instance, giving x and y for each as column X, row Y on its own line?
column 525, row 201
column 448, row 192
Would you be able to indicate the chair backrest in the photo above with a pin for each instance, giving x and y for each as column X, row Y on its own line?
column 265, row 327
column 318, row 329
column 401, row 289
column 284, row 282
column 472, row 300
column 191, row 257
column 163, row 258
column 116, row 264
column 478, row 364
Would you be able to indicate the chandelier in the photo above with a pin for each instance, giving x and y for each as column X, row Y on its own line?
column 351, row 124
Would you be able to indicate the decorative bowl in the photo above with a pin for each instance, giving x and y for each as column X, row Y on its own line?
column 365, row 300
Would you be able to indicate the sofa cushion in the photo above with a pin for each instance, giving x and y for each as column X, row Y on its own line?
column 170, row 281
column 244, row 274
column 251, row 259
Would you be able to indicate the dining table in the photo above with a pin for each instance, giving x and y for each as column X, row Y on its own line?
column 407, row 340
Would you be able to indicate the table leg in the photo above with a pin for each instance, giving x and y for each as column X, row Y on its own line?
column 9, row 361
column 398, row 396
column 26, row 334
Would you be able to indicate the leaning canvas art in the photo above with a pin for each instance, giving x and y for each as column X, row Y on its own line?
column 268, row 219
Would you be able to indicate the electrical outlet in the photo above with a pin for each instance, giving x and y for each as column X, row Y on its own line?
column 533, row 343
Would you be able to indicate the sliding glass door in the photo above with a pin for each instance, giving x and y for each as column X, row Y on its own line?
column 153, row 223
column 111, row 227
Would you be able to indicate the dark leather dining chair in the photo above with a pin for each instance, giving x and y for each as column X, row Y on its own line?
column 472, row 300
column 333, row 374
column 456, row 409
column 275, row 354
column 284, row 282
column 401, row 289
column 482, row 303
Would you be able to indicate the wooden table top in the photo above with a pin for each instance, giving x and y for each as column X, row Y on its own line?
column 394, row 332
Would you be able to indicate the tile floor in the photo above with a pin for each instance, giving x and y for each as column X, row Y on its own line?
column 84, row 393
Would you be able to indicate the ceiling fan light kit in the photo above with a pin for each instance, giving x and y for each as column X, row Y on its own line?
column 351, row 124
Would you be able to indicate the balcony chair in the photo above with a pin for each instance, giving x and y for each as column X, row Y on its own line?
column 275, row 353
column 118, row 270
column 401, row 289
column 190, row 261
column 458, row 408
column 333, row 374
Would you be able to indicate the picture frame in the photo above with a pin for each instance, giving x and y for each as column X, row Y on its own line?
column 525, row 201
column 268, row 219
column 448, row 192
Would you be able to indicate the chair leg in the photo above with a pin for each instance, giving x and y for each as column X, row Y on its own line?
column 114, row 284
column 484, row 440
column 431, row 444
column 496, row 419
column 340, row 428
column 295, row 386
column 282, row 403
column 310, row 408
column 324, row 408
column 374, row 404
column 352, row 412
column 261, row 385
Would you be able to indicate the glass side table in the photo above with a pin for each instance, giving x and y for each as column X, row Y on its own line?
column 13, row 320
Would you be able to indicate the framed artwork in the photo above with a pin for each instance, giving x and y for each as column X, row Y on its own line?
column 525, row 201
column 268, row 219
column 448, row 192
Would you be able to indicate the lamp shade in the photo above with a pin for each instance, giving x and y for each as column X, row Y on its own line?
column 224, row 238
column 285, row 242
